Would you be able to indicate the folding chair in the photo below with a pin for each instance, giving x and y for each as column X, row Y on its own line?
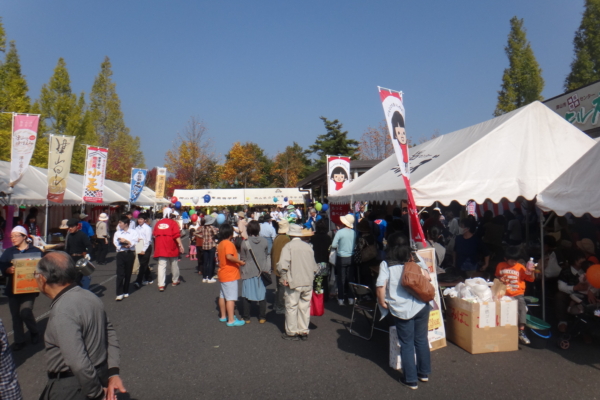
column 365, row 306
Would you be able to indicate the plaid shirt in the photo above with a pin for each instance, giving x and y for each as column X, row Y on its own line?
column 9, row 385
column 208, row 234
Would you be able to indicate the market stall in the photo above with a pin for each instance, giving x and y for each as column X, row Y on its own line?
column 238, row 197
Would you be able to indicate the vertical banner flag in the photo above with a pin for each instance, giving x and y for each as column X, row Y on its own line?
column 59, row 166
column 161, row 177
column 338, row 173
column 393, row 108
column 138, row 178
column 95, row 173
column 24, row 136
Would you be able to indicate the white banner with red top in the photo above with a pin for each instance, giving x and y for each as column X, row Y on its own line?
column 24, row 136
column 338, row 173
column 393, row 109
column 95, row 174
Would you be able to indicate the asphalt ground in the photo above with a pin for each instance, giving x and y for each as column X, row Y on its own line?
column 174, row 347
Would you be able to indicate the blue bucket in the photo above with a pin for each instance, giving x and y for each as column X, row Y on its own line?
column 538, row 332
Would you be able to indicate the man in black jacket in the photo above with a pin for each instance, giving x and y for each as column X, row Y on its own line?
column 78, row 245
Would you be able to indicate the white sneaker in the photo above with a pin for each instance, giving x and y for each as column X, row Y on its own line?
column 204, row 280
column 120, row 297
column 340, row 302
column 351, row 302
column 126, row 295
column 213, row 280
column 144, row 283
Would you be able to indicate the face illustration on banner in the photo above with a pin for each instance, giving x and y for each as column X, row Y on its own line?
column 339, row 176
column 400, row 134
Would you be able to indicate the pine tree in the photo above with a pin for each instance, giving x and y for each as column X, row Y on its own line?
column 57, row 101
column 334, row 143
column 108, row 124
column 13, row 96
column 522, row 82
column 585, row 68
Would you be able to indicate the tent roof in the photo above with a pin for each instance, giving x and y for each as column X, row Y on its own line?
column 577, row 190
column 517, row 154
column 33, row 189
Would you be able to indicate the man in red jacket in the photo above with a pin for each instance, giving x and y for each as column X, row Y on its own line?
column 168, row 245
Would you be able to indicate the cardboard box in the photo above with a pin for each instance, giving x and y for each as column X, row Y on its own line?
column 482, row 328
column 23, row 279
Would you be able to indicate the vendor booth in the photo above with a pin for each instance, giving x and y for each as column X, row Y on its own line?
column 517, row 154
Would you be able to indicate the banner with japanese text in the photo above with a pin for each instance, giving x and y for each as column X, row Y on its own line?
column 138, row 178
column 393, row 109
column 437, row 331
column 94, row 174
column 59, row 165
column 24, row 137
column 161, row 178
column 338, row 173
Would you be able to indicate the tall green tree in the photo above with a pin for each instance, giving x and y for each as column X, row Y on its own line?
column 585, row 68
column 107, row 121
column 13, row 96
column 522, row 82
column 290, row 166
column 334, row 142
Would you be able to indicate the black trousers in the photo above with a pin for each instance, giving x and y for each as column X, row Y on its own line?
column 69, row 388
column 125, row 260
column 144, row 273
column 262, row 309
column 21, row 311
column 101, row 250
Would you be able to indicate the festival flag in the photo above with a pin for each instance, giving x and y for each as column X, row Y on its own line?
column 24, row 136
column 161, row 177
column 95, row 173
column 138, row 178
column 59, row 166
column 393, row 109
column 338, row 173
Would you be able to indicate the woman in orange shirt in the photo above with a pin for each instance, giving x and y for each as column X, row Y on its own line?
column 229, row 274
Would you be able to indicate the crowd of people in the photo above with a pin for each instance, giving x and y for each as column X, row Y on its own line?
column 244, row 248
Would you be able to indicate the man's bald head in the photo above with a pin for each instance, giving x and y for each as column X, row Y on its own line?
column 58, row 268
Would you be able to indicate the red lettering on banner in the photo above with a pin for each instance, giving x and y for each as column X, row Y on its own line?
column 457, row 315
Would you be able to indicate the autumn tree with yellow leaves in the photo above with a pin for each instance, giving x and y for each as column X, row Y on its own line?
column 247, row 165
column 290, row 166
column 191, row 162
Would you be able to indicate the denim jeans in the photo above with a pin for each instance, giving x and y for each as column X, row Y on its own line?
column 344, row 271
column 412, row 334
column 209, row 263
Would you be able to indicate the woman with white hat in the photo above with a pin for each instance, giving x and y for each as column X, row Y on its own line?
column 21, row 305
column 102, row 238
column 343, row 242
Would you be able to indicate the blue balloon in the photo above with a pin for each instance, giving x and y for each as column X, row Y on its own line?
column 220, row 219
column 178, row 204
column 285, row 199
column 275, row 199
column 324, row 207
column 207, row 198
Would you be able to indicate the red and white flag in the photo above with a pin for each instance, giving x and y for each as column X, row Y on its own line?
column 95, row 173
column 24, row 136
column 393, row 109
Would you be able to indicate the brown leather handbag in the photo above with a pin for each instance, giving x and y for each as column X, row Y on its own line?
column 417, row 282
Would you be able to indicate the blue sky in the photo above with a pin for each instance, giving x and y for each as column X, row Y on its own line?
column 265, row 71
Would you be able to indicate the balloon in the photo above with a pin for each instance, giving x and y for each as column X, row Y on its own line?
column 207, row 198
column 318, row 206
column 194, row 217
column 192, row 212
column 291, row 202
column 325, row 207
column 220, row 219
column 593, row 276
column 177, row 204
column 174, row 199
column 251, row 205
column 285, row 199
column 135, row 213
column 195, row 199
column 274, row 199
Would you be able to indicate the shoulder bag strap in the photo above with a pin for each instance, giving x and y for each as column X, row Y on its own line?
column 253, row 257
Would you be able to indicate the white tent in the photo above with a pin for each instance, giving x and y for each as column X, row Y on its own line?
column 236, row 197
column 577, row 190
column 517, row 154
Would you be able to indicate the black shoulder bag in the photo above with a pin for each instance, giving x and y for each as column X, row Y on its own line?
column 265, row 276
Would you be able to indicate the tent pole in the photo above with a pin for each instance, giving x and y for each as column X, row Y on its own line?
column 46, row 221
column 543, row 266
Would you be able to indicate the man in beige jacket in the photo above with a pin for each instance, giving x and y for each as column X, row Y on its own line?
column 297, row 268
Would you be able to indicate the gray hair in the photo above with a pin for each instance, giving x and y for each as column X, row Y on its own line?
column 312, row 210
column 58, row 268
